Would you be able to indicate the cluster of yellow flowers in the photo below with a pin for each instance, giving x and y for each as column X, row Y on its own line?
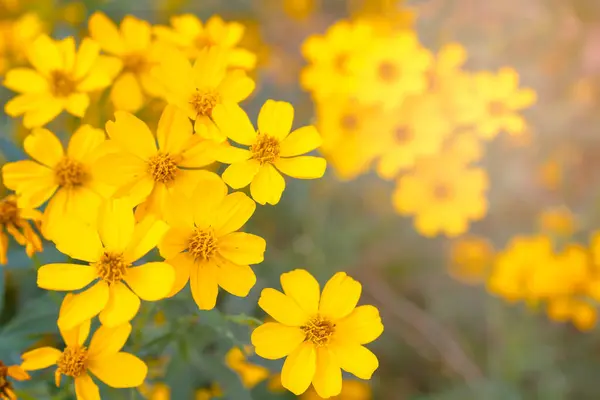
column 113, row 195
column 385, row 101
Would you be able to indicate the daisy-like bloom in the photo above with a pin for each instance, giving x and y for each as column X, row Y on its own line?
column 191, row 36
column 443, row 194
column 16, row 222
column 151, row 174
column 135, row 53
column 328, row 55
column 61, row 79
column 116, row 284
column 67, row 180
column 102, row 358
column 204, row 247
column 320, row 334
column 470, row 259
column 16, row 37
column 351, row 390
column 250, row 374
column 14, row 372
column 394, row 68
column 272, row 149
column 200, row 87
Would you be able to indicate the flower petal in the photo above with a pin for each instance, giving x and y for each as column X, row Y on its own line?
column 146, row 236
column 299, row 369
column 303, row 288
column 228, row 154
column 44, row 55
column 116, row 224
column 182, row 264
column 152, row 281
column 175, row 241
column 136, row 33
column 77, row 104
column 104, row 31
column 65, row 276
column 174, row 130
column 356, row 359
column 204, row 285
column 232, row 213
column 242, row 248
column 108, row 341
column 126, row 93
column 267, row 186
column 234, row 123
column 44, row 113
column 40, row 358
column 340, row 296
column 208, row 195
column 132, row 134
column 122, row 306
column 86, row 389
column 87, row 245
column 275, row 119
column 33, row 182
column 84, row 306
column 301, row 141
column 236, row 86
column 235, row 279
column 240, row 174
column 18, row 373
column 25, row 80
column 362, row 326
column 44, row 147
column 120, row 370
column 86, row 57
column 303, row 167
column 282, row 308
column 328, row 376
column 274, row 341
column 84, row 142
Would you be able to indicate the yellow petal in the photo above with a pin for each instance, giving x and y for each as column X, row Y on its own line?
column 87, row 55
column 126, row 93
column 303, row 288
column 84, row 306
column 274, row 341
column 304, row 167
column 78, row 240
column 301, row 141
column 242, row 58
column 204, row 285
column 65, row 276
column 25, row 80
column 328, row 375
column 232, row 213
column 228, row 154
column 175, row 241
column 208, row 195
column 152, row 281
column 86, row 389
column 44, row 147
column 275, row 119
column 84, row 142
column 362, row 326
column 132, row 134
column 104, row 31
column 299, row 369
column 235, row 279
column 340, row 296
column 44, row 55
column 182, row 264
column 267, row 186
column 236, row 86
column 77, row 104
column 18, row 373
column 242, row 248
column 234, row 123
column 78, row 335
column 120, row 370
column 19, row 105
column 116, row 224
column 356, row 359
column 40, row 358
column 174, row 130
column 101, row 75
column 66, row 47
column 122, row 306
column 282, row 308
column 108, row 341
column 33, row 182
column 120, row 168
column 198, row 153
column 43, row 114
column 136, row 33
column 210, row 67
column 240, row 174
column 146, row 236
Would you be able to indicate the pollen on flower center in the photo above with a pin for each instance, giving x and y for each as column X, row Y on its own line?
column 111, row 267
column 163, row 167
column 349, row 122
column 9, row 213
column 136, row 63
column 203, row 101
column 203, row 244
column 441, row 191
column 266, row 149
column 403, row 134
column 497, row 108
column 388, row 72
column 73, row 361
column 5, row 385
column 340, row 62
column 61, row 84
column 319, row 330
column 69, row 173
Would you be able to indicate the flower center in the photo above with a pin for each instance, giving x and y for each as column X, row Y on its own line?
column 163, row 167
column 111, row 267
column 5, row 385
column 61, row 84
column 497, row 108
column 266, row 149
column 203, row 101
column 203, row 41
column 403, row 134
column 203, row 244
column 136, row 63
column 441, row 191
column 69, row 173
column 319, row 330
column 433, row 81
column 340, row 62
column 9, row 213
column 72, row 362
column 388, row 71
column 349, row 122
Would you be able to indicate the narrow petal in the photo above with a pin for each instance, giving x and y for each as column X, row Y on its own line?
column 340, row 296
column 304, row 167
column 282, row 308
column 356, row 359
column 299, row 369
column 303, row 288
column 104, row 31
column 152, row 281
column 328, row 376
column 108, row 341
column 101, row 75
column 77, row 104
column 198, row 153
column 65, row 276
column 116, row 224
column 146, row 236
column 87, row 55
column 122, row 306
column 84, row 306
column 267, row 186
column 207, row 197
column 240, row 174
column 274, row 341
column 175, row 241
column 25, row 80
column 232, row 213
column 242, row 248
column 228, row 154
column 43, row 114
column 78, row 335
column 120, row 370
column 40, row 358
column 174, row 130
column 136, row 33
column 44, row 147
column 234, row 122
column 86, row 389
column 235, row 279
column 18, row 373
column 87, row 246
column 27, row 174
column 236, row 86
column 19, row 105
column 275, row 119
column 301, row 141
column 84, row 142
column 204, row 285
column 132, row 134
column 44, row 55
column 182, row 264
column 362, row 326
column 126, row 93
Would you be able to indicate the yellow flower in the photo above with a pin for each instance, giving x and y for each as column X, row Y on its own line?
column 470, row 259
column 319, row 333
column 464, row 145
column 551, row 174
column 134, row 53
column 300, row 9
column 209, row 393
column 61, row 79
column 351, row 390
column 386, row 16
column 67, row 180
column 111, row 250
column 272, row 149
column 328, row 70
column 198, row 89
column 149, row 174
column 15, row 372
column 251, row 374
column 393, row 69
column 16, row 36
column 443, row 194
column 102, row 357
column 204, row 247
column 157, row 391
column 558, row 221
column 189, row 35
column 15, row 221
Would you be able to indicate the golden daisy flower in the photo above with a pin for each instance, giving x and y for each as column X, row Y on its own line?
column 135, row 53
column 351, row 390
column 61, row 79
column 102, row 358
column 209, row 393
column 470, row 259
column 250, row 374
column 192, row 37
column 443, row 194
column 319, row 333
column 329, row 55
column 272, row 149
column 111, row 251
column 16, row 222
column 204, row 247
column 200, row 87
column 67, row 180
column 16, row 36
column 15, row 372
column 149, row 174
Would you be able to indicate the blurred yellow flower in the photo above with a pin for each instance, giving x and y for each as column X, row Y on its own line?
column 16, row 36
column 16, row 222
column 319, row 333
column 210, row 393
column 157, row 391
column 204, row 247
column 14, row 372
column 351, row 390
column 134, row 53
column 551, row 174
column 192, row 37
column 558, row 221
column 110, row 251
column 250, row 374
column 61, row 79
column 300, row 9
column 470, row 259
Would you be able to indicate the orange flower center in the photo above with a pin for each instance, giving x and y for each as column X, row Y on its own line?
column 388, row 71
column 70, row 173
column 442, row 191
column 340, row 62
column 9, row 213
column 319, row 330
column 349, row 122
column 266, row 149
column 136, row 63
column 203, row 41
column 111, row 267
column 73, row 361
column 163, row 167
column 61, row 84
column 203, row 244
column 403, row 134
column 433, row 81
column 203, row 102
column 497, row 108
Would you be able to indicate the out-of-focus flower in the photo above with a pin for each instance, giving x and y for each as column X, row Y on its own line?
column 464, row 145
column 470, row 259
column 558, row 221
column 156, row 391
column 14, row 372
column 550, row 174
column 250, row 374
column 300, row 9
column 209, row 393
column 16, row 222
column 16, row 36
column 351, row 390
